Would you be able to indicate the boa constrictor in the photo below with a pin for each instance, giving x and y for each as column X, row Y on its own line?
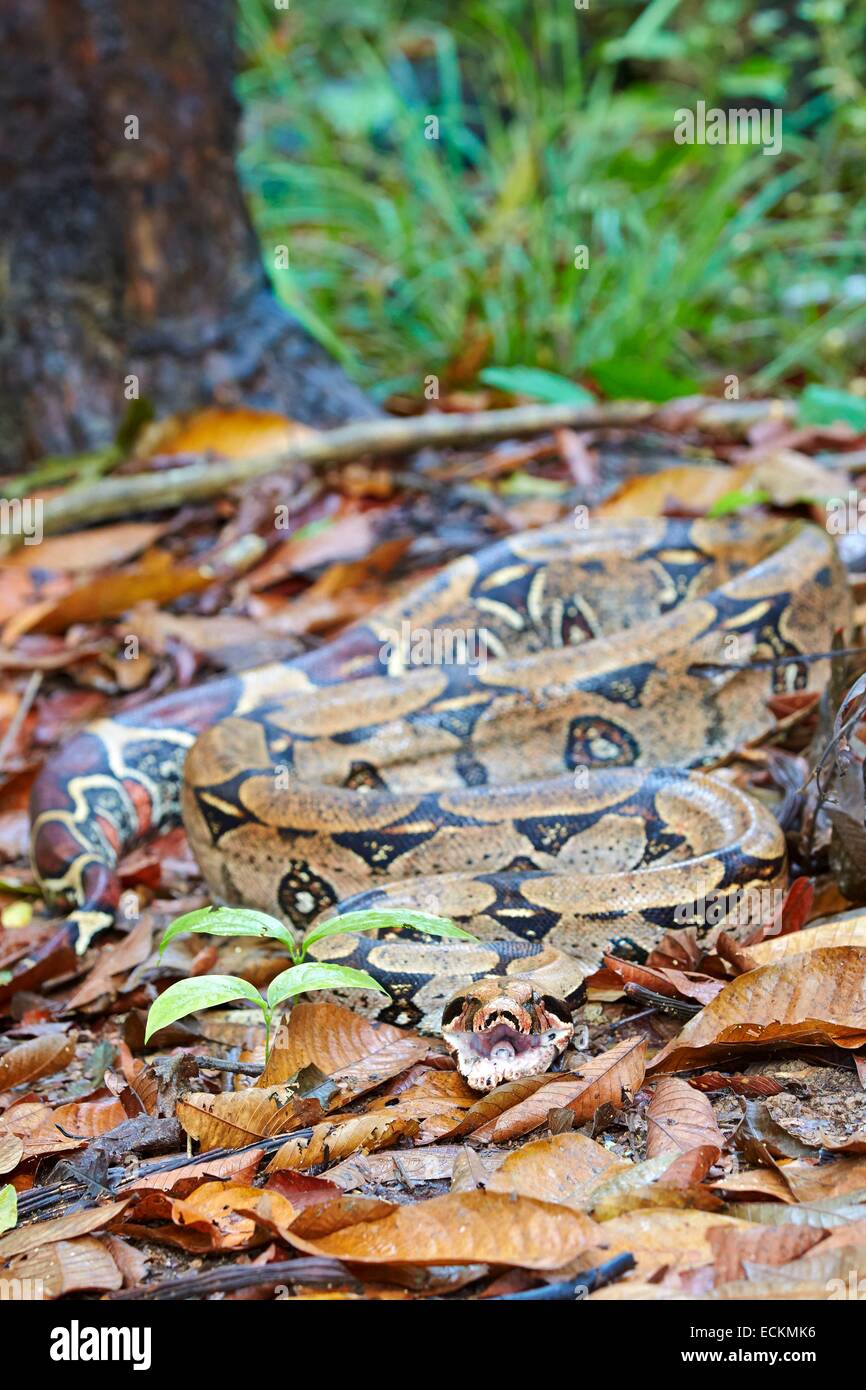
column 536, row 780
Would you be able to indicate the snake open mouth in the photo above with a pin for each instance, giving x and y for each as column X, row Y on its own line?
column 503, row 1029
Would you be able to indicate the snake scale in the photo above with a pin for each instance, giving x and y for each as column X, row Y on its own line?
column 531, row 768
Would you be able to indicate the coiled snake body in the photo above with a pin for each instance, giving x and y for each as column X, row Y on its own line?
column 536, row 786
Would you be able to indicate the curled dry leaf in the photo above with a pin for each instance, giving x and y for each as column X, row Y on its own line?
column 604, row 1080
column 66, row 1266
column 228, row 1213
column 680, row 1119
column 778, row 1005
column 464, row 1228
column 39, row 1057
column 337, row 1139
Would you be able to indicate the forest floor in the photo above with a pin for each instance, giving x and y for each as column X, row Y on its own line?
column 368, row 1168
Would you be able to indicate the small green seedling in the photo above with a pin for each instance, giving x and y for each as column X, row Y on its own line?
column 207, row 991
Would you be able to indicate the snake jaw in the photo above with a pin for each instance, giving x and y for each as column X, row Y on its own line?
column 504, row 1030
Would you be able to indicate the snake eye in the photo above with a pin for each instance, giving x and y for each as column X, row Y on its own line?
column 557, row 1007
column 453, row 1009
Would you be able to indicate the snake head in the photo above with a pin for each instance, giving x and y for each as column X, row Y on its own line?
column 503, row 1029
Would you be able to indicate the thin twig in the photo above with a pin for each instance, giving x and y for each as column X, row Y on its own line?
column 218, row 1064
column 31, row 690
column 322, row 1273
column 141, row 492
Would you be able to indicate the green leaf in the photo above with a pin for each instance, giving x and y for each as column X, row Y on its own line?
column 534, row 381
column 736, row 500
column 387, row 919
column 821, row 405
column 300, row 978
column 635, row 379
column 8, row 1207
column 230, row 921
column 203, row 992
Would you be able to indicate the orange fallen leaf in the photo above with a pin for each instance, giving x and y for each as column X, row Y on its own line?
column 161, row 580
column 240, row 433
column 463, row 1228
column 222, row 1211
column 337, row 1139
column 564, row 1168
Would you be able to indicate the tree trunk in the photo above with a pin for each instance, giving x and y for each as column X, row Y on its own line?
column 129, row 260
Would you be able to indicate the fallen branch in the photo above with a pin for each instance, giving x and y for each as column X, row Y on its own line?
column 142, row 492
column 312, row 1271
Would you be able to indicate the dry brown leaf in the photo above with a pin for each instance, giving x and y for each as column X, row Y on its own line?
column 767, row 1245
column 232, row 1119
column 688, row 487
column 74, row 1223
column 84, row 1119
column 112, row 961
column 67, row 1266
column 11, row 1152
column 603, row 1080
column 240, row 1168
column 326, row 1036
column 438, row 1101
column 564, row 1168
column 755, row 1183
column 680, row 1119
column 222, row 1212
column 776, row 1005
column 230, row 433
column 100, row 547
column 847, row 930
column 660, row 1238
column 39, row 1057
column 158, row 580
column 811, row 1182
column 339, row 1138
column 463, row 1228
column 407, row 1167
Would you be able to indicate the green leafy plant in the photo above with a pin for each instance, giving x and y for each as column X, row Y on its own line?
column 208, row 991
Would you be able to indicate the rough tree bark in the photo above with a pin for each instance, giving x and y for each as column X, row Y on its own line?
column 133, row 256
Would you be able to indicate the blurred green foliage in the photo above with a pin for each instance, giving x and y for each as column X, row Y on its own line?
column 555, row 131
